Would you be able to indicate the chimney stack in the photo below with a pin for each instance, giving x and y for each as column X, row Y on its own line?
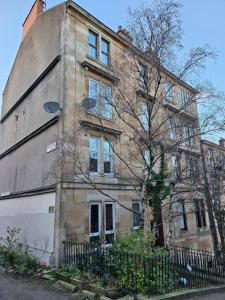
column 123, row 33
column 222, row 142
column 34, row 12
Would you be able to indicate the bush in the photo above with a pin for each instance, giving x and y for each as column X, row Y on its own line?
column 140, row 266
column 16, row 256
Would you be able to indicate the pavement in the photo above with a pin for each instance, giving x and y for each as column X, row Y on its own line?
column 14, row 289
column 214, row 296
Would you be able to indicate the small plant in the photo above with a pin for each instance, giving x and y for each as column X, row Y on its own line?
column 15, row 255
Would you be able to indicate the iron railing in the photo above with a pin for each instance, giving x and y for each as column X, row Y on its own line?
column 178, row 268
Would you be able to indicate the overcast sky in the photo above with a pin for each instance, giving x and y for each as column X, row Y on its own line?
column 203, row 23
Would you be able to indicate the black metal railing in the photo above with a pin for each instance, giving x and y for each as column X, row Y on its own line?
column 178, row 268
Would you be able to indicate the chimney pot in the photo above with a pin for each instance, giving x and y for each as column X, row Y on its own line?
column 123, row 33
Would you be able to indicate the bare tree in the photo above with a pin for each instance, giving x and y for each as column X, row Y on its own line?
column 157, row 129
column 213, row 164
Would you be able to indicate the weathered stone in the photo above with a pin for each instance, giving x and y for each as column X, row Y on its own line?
column 104, row 298
column 68, row 286
column 76, row 295
column 141, row 297
column 89, row 295
column 48, row 277
column 127, row 297
column 2, row 269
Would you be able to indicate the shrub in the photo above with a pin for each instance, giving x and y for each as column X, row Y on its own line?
column 15, row 255
column 140, row 266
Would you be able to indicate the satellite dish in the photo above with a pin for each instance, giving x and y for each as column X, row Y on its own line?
column 51, row 107
column 89, row 103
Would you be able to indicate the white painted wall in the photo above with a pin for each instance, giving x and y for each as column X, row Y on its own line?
column 31, row 215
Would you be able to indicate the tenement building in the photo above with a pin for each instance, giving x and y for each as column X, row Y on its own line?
column 69, row 173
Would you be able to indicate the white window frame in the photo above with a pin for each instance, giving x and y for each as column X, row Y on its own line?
column 99, row 155
column 99, row 109
column 113, row 215
column 102, row 157
column 135, row 227
column 100, row 219
column 100, row 165
column 102, row 100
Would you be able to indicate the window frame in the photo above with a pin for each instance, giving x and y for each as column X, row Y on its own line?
column 172, row 129
column 111, row 157
column 138, row 226
column 94, row 47
column 144, row 116
column 168, row 91
column 109, row 232
column 200, row 214
column 104, row 53
column 94, row 234
column 99, row 109
column 142, row 74
column 100, row 164
column 182, row 214
column 99, row 155
column 175, row 163
column 102, row 100
column 185, row 101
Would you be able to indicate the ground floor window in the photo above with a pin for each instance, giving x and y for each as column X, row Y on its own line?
column 109, row 222
column 95, row 222
column 99, row 228
column 182, row 216
column 136, row 207
column 200, row 213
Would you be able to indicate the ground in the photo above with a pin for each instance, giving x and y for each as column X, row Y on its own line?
column 17, row 289
column 215, row 296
